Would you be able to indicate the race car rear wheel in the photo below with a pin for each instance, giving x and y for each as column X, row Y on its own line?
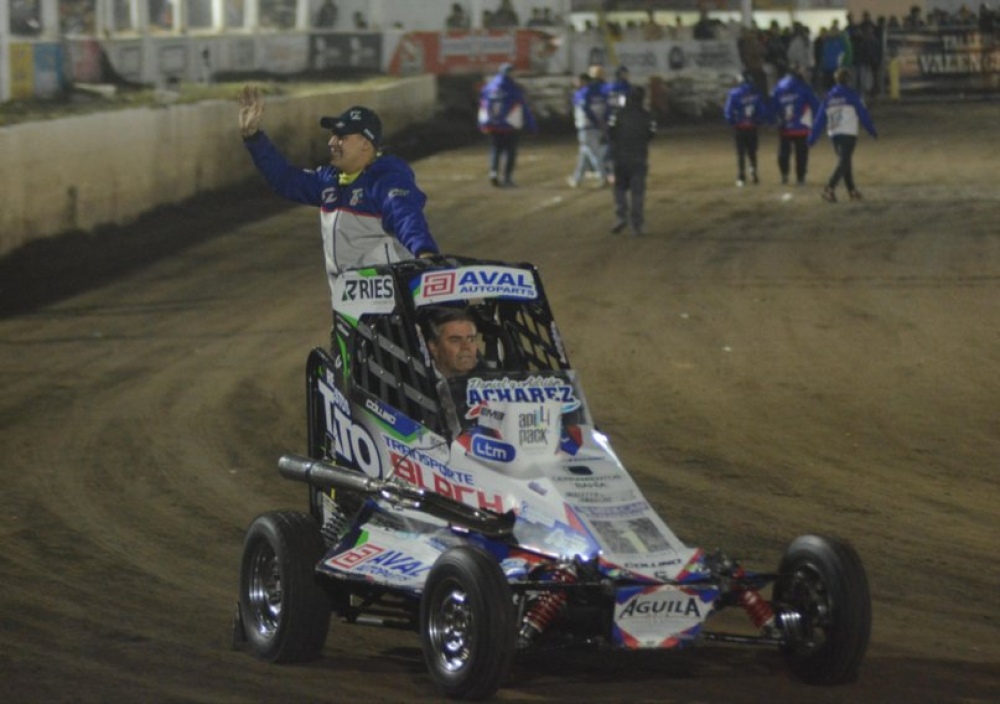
column 467, row 624
column 284, row 609
column 823, row 606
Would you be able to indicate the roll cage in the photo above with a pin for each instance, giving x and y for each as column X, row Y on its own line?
column 379, row 354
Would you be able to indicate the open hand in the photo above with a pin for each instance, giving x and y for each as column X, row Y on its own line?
column 251, row 109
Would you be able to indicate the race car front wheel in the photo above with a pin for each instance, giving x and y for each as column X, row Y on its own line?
column 285, row 612
column 823, row 604
column 467, row 624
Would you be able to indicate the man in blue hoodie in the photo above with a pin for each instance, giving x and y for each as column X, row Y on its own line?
column 503, row 114
column 795, row 105
column 745, row 110
column 371, row 211
column 844, row 111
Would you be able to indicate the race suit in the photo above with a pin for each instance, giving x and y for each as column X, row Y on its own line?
column 841, row 113
column 745, row 110
column 795, row 105
column 377, row 218
column 503, row 115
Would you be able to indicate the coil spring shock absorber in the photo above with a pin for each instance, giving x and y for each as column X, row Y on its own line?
column 760, row 612
column 546, row 607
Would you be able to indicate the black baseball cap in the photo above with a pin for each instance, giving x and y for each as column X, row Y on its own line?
column 355, row 120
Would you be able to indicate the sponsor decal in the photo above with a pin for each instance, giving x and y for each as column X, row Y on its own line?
column 476, row 282
column 352, row 443
column 379, row 562
column 533, row 427
column 376, row 288
column 663, row 603
column 457, row 486
column 393, row 421
column 535, row 389
column 358, row 292
column 348, row 560
column 636, row 508
column 487, row 417
column 488, row 448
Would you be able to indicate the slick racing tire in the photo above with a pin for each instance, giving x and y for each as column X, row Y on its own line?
column 822, row 601
column 467, row 624
column 284, row 610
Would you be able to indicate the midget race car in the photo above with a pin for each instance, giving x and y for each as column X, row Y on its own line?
column 489, row 514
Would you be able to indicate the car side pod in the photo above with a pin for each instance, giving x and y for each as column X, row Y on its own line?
column 330, row 476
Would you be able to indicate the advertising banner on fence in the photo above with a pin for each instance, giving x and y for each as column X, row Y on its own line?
column 475, row 51
column 946, row 61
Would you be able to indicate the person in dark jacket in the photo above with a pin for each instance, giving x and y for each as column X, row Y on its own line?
column 371, row 211
column 630, row 130
column 795, row 105
column 844, row 111
column 745, row 110
column 503, row 115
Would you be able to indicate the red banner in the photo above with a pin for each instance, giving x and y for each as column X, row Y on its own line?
column 474, row 51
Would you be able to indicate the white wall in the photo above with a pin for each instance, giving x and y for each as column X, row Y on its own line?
column 109, row 168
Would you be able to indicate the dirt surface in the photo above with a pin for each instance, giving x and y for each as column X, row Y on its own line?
column 765, row 363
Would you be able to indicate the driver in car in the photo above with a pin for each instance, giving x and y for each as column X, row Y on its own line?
column 452, row 341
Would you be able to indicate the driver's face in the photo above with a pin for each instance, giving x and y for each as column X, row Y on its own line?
column 455, row 348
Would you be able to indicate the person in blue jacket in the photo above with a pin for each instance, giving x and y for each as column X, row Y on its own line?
column 616, row 90
column 590, row 117
column 503, row 115
column 371, row 211
column 841, row 113
column 795, row 105
column 745, row 110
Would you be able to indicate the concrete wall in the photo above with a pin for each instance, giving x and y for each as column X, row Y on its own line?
column 108, row 168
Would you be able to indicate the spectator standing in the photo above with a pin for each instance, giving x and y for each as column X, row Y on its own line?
column 327, row 15
column 843, row 111
column 503, row 115
column 795, row 105
column 867, row 56
column 457, row 19
column 590, row 113
column 703, row 29
column 800, row 50
column 630, row 129
column 745, row 110
column 505, row 15
column 371, row 211
column 836, row 54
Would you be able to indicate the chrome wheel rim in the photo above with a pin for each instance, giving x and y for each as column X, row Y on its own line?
column 265, row 594
column 450, row 627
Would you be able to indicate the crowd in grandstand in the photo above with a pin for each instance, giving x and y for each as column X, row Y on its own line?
column 77, row 16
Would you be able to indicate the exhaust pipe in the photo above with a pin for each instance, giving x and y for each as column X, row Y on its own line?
column 327, row 476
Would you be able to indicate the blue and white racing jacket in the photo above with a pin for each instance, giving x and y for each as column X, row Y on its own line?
column 503, row 108
column 745, row 108
column 377, row 218
column 841, row 112
column 795, row 106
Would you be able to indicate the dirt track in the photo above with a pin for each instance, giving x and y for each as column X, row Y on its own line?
column 765, row 366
